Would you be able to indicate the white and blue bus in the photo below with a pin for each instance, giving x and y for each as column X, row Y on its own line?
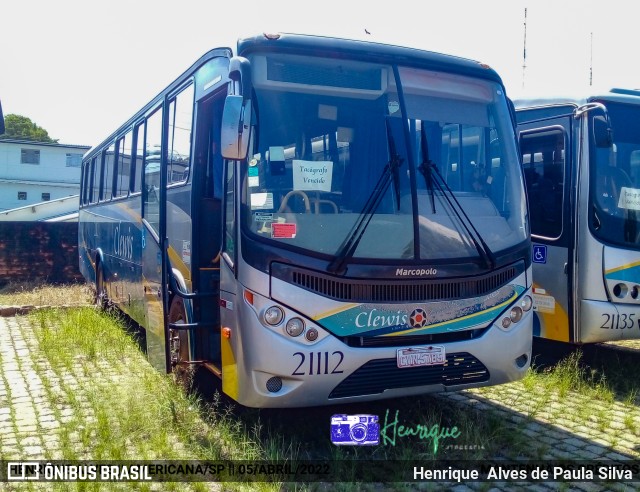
column 318, row 221
column 581, row 158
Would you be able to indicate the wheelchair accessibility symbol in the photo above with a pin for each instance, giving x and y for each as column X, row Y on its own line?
column 539, row 253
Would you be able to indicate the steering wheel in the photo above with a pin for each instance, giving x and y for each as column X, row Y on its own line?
column 305, row 198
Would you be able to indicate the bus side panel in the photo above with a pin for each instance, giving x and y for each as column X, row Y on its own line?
column 550, row 300
column 179, row 229
column 228, row 317
column 153, row 292
column 602, row 320
column 124, row 247
column 86, row 245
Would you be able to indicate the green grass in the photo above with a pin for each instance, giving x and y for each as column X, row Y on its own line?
column 21, row 294
column 569, row 376
column 120, row 408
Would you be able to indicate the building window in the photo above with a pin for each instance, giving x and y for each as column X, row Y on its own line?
column 74, row 160
column 46, row 197
column 30, row 156
column 22, row 195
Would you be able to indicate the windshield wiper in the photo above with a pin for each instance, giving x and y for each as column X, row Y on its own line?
column 390, row 173
column 426, row 167
column 428, row 170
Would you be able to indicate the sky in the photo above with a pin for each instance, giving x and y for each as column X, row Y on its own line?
column 80, row 68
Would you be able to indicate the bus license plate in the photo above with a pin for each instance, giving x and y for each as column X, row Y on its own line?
column 423, row 356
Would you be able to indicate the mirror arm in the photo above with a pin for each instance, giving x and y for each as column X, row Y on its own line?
column 240, row 71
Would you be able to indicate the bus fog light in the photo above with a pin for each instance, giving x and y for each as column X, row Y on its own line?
column 506, row 322
column 522, row 361
column 620, row 291
column 274, row 384
column 312, row 334
column 516, row 314
column 526, row 303
column 294, row 327
column 273, row 315
column 634, row 292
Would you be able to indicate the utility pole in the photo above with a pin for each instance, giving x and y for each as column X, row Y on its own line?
column 591, row 63
column 524, row 53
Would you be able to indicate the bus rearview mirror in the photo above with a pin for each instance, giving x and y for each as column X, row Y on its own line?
column 602, row 133
column 236, row 125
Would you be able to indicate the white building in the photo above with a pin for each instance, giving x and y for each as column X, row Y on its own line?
column 34, row 172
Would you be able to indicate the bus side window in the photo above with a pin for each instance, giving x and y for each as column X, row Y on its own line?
column 543, row 161
column 107, row 173
column 96, row 168
column 180, row 123
column 152, row 159
column 123, row 169
column 139, row 159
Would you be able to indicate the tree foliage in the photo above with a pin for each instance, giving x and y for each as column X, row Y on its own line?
column 22, row 128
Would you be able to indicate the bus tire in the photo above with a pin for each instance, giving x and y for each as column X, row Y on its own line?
column 101, row 300
column 179, row 342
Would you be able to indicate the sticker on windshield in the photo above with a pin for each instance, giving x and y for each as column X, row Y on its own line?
column 254, row 177
column 261, row 201
column 312, row 175
column 629, row 198
column 263, row 217
column 286, row 230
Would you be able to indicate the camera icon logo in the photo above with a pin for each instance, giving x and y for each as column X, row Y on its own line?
column 355, row 430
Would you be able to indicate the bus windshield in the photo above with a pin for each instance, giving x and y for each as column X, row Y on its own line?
column 333, row 136
column 615, row 179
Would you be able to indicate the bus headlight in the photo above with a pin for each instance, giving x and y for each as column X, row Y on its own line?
column 526, row 303
column 274, row 315
column 620, row 290
column 294, row 327
column 516, row 314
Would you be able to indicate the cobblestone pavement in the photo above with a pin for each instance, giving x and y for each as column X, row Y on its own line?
column 626, row 345
column 42, row 411
column 572, row 427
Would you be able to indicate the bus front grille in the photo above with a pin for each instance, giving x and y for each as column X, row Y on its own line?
column 377, row 376
column 415, row 290
column 400, row 341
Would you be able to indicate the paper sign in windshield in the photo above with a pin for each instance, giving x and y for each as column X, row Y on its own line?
column 312, row 175
column 629, row 198
column 285, row 230
column 261, row 201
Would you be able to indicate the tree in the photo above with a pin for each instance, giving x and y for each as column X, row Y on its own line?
column 21, row 127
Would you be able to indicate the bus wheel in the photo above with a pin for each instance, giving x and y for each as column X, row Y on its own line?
column 179, row 344
column 101, row 293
